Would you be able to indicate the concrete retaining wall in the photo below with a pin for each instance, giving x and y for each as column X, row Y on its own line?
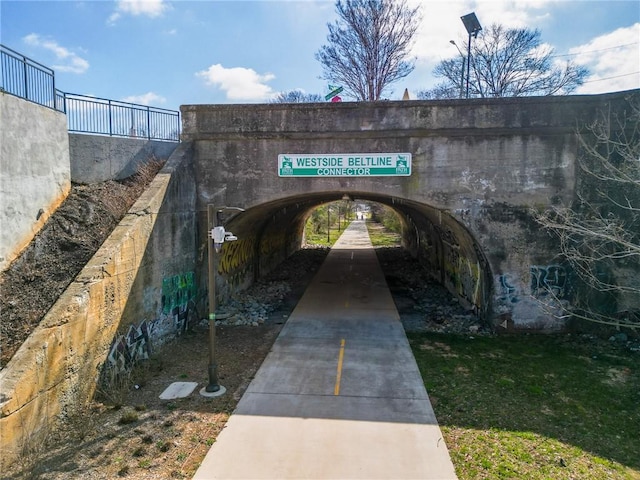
column 138, row 280
column 96, row 158
column 34, row 172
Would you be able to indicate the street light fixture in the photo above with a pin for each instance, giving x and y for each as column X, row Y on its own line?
column 216, row 238
column 453, row 42
column 473, row 27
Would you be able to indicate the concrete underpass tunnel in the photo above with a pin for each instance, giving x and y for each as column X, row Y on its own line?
column 269, row 233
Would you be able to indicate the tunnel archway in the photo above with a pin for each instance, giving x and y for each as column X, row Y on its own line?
column 480, row 170
column 269, row 233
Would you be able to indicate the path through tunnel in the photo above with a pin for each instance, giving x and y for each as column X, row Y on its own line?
column 269, row 233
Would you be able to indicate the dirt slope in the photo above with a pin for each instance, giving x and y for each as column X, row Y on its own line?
column 33, row 282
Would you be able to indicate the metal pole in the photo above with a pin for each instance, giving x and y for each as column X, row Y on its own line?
column 328, row 226
column 468, row 63
column 214, row 385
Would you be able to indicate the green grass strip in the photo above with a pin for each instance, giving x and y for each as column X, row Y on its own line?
column 534, row 407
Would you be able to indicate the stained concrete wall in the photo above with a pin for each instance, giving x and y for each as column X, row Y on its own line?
column 98, row 158
column 480, row 169
column 35, row 174
column 133, row 293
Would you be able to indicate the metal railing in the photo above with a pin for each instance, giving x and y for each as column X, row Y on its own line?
column 32, row 81
column 26, row 78
column 121, row 119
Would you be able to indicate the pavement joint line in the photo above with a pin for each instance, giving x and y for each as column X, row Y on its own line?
column 252, row 392
column 336, row 390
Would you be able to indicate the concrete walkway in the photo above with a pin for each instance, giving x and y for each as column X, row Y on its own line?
column 340, row 395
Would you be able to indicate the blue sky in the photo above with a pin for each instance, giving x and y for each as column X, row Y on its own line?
column 169, row 53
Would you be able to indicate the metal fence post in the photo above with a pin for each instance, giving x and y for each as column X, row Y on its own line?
column 110, row 123
column 26, row 81
column 148, row 124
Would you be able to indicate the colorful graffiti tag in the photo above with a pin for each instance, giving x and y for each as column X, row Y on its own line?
column 236, row 255
column 177, row 293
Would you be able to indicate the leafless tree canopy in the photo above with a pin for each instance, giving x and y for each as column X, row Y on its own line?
column 297, row 96
column 509, row 63
column 368, row 46
column 600, row 235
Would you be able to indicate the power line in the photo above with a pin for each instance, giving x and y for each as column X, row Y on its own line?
column 611, row 78
column 595, row 51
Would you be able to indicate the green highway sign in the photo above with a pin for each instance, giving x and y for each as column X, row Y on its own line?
column 345, row 165
column 333, row 93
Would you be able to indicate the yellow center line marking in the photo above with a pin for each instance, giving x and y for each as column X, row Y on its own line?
column 336, row 390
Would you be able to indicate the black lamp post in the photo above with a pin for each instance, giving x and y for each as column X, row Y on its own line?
column 473, row 27
column 217, row 237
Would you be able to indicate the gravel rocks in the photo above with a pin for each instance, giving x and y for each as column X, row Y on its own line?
column 423, row 304
column 253, row 306
column 274, row 296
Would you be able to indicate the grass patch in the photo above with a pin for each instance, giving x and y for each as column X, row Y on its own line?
column 129, row 416
column 535, row 407
column 380, row 236
column 321, row 238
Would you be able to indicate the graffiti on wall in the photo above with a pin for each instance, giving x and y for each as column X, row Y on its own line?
column 469, row 277
column 451, row 251
column 506, row 291
column 272, row 243
column 177, row 293
column 549, row 279
column 130, row 348
column 236, row 255
column 461, row 271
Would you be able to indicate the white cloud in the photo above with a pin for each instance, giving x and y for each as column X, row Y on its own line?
column 441, row 22
column 149, row 8
column 613, row 60
column 239, row 83
column 148, row 98
column 71, row 62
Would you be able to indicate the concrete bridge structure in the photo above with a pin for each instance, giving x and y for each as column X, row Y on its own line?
column 480, row 168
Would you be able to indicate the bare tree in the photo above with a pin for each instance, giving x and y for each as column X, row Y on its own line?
column 368, row 46
column 297, row 96
column 600, row 235
column 439, row 92
column 512, row 63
